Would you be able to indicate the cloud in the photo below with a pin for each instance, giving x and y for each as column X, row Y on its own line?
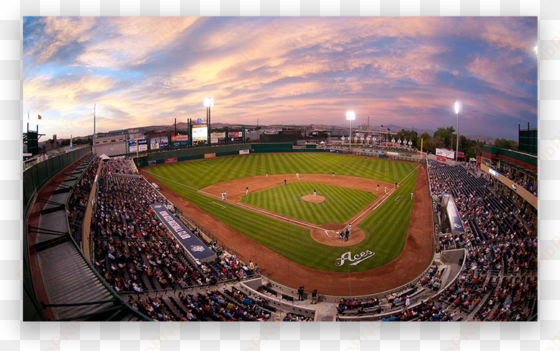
column 408, row 71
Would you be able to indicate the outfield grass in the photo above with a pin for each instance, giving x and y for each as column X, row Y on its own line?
column 385, row 228
column 340, row 203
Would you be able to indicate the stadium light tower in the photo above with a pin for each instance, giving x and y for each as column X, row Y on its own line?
column 93, row 137
column 208, row 103
column 350, row 116
column 457, row 108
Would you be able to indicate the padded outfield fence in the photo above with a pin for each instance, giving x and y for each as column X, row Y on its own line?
column 198, row 153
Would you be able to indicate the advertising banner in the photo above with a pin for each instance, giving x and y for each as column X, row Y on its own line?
column 214, row 140
column 163, row 142
column 445, row 153
column 218, row 135
column 209, row 155
column 188, row 240
column 494, row 173
column 235, row 134
column 152, row 162
column 442, row 159
column 154, row 143
column 132, row 145
column 200, row 133
column 171, row 160
column 243, row 152
column 142, row 145
column 179, row 140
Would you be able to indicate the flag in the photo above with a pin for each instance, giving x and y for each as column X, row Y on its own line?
column 388, row 129
column 40, row 117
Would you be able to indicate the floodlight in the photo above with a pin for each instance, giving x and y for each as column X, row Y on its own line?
column 350, row 116
column 208, row 102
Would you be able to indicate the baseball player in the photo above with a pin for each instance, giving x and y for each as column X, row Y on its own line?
column 246, row 190
column 267, row 174
column 411, row 195
column 297, row 175
column 333, row 174
column 377, row 187
column 223, row 196
column 285, row 183
column 314, row 193
column 385, row 189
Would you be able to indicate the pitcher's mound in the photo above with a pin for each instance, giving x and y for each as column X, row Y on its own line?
column 311, row 198
column 329, row 235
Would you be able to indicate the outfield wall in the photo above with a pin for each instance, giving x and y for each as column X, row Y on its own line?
column 197, row 153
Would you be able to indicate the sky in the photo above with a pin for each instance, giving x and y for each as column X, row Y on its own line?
column 403, row 71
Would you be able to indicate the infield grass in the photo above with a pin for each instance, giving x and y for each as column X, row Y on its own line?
column 385, row 228
column 340, row 203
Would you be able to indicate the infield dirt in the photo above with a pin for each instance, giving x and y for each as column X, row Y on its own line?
column 412, row 261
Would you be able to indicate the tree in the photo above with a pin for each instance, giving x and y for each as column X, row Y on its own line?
column 506, row 144
column 409, row 135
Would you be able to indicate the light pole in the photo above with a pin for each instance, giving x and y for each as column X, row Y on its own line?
column 350, row 116
column 208, row 103
column 94, row 113
column 457, row 108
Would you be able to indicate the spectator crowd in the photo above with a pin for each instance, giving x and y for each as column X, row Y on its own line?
column 498, row 281
column 138, row 256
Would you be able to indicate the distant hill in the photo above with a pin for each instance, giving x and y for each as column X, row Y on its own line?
column 394, row 128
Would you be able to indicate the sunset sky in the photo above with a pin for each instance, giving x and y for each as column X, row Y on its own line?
column 402, row 71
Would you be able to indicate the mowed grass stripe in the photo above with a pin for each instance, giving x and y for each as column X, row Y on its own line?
column 290, row 241
column 341, row 204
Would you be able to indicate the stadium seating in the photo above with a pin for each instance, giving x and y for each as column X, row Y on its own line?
column 137, row 255
column 498, row 281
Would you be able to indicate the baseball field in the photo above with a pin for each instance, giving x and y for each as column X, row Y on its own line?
column 274, row 215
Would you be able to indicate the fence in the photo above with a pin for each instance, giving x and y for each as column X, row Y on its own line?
column 216, row 151
column 36, row 176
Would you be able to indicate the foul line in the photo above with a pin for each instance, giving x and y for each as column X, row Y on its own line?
column 217, row 204
column 408, row 175
column 183, row 185
column 374, row 207
column 272, row 214
column 397, row 198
